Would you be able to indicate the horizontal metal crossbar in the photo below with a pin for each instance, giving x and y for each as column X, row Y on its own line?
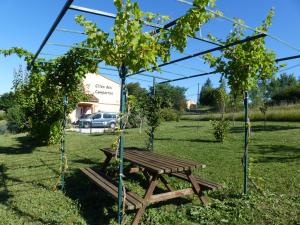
column 107, row 14
column 287, row 58
column 246, row 26
column 207, row 51
column 157, row 26
column 53, row 27
column 188, row 77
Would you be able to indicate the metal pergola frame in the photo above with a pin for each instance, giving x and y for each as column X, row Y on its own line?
column 123, row 75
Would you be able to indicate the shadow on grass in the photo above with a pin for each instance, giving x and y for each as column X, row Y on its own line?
column 259, row 128
column 96, row 206
column 189, row 126
column 4, row 193
column 277, row 153
column 25, row 145
column 201, row 140
column 190, row 140
column 85, row 161
column 34, row 218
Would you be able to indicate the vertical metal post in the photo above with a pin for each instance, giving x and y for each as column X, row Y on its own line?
column 152, row 132
column 245, row 158
column 198, row 96
column 62, row 144
column 122, row 75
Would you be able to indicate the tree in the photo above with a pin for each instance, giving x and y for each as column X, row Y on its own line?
column 152, row 111
column 288, row 95
column 136, row 90
column 283, row 88
column 258, row 95
column 39, row 92
column 221, row 97
column 207, row 94
column 7, row 100
column 243, row 65
column 171, row 96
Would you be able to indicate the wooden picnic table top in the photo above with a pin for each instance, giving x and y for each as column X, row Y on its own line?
column 155, row 162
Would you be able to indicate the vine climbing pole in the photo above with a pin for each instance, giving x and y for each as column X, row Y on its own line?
column 122, row 74
column 245, row 157
column 152, row 132
column 62, row 145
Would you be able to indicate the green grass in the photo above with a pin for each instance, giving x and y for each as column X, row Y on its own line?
column 29, row 173
column 277, row 113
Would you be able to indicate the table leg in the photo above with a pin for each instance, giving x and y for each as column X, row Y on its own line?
column 106, row 162
column 165, row 182
column 147, row 176
column 148, row 195
column 196, row 187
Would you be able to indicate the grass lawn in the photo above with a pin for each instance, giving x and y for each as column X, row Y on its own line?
column 29, row 174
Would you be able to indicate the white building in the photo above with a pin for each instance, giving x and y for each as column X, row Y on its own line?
column 190, row 104
column 105, row 96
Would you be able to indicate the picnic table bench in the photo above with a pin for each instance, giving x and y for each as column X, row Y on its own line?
column 153, row 166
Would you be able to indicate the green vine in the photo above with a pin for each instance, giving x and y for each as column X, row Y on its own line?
column 244, row 64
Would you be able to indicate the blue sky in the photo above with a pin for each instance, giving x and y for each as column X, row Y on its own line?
column 25, row 24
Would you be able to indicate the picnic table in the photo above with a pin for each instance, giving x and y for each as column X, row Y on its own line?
column 153, row 166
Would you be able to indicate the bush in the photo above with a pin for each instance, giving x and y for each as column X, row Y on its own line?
column 169, row 114
column 16, row 118
column 134, row 120
column 220, row 129
column 3, row 126
column 2, row 115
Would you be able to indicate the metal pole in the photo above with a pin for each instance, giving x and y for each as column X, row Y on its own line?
column 152, row 132
column 62, row 147
column 153, row 89
column 198, row 96
column 245, row 158
column 52, row 29
column 122, row 75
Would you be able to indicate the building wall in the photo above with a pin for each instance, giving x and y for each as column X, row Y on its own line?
column 189, row 103
column 105, row 90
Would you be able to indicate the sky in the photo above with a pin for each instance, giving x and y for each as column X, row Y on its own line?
column 26, row 23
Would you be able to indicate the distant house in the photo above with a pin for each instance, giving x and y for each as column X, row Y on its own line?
column 105, row 96
column 190, row 104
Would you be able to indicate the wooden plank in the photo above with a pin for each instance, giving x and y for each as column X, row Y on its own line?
column 174, row 166
column 163, row 158
column 148, row 195
column 137, row 161
column 130, row 197
column 205, row 184
column 170, row 195
column 184, row 162
column 167, row 167
column 132, row 200
column 194, row 183
column 145, row 164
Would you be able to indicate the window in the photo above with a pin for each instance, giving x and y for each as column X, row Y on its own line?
column 97, row 116
column 109, row 116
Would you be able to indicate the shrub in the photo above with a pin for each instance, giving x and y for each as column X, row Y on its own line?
column 2, row 115
column 55, row 133
column 3, row 126
column 16, row 118
column 220, row 129
column 169, row 114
